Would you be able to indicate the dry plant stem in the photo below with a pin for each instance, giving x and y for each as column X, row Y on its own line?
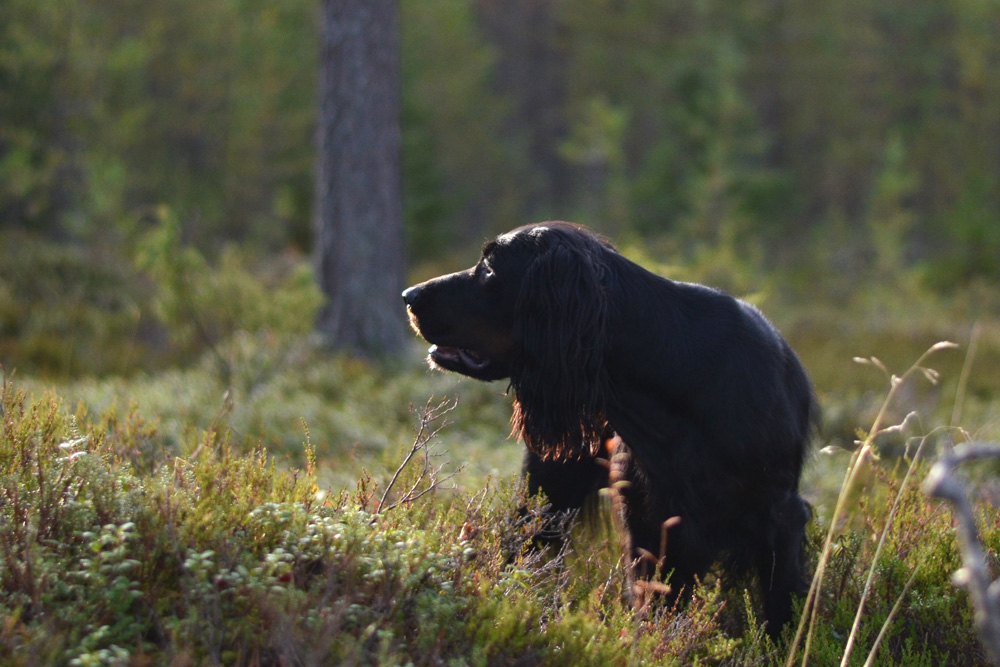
column 812, row 597
column 421, row 443
column 850, row 476
column 974, row 575
column 3, row 391
column 963, row 378
column 878, row 552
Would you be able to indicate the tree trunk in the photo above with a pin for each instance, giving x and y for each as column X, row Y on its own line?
column 359, row 214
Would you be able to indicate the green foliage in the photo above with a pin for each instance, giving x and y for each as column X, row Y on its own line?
column 70, row 310
column 221, row 557
column 461, row 170
column 357, row 414
column 39, row 172
column 93, row 553
column 891, row 219
column 595, row 148
column 214, row 306
column 122, row 542
column 110, row 108
column 887, row 535
column 934, row 624
column 189, row 291
column 740, row 123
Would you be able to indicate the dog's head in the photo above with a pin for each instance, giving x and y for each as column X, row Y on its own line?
column 534, row 309
column 469, row 315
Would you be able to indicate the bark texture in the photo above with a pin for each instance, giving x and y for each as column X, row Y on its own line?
column 359, row 214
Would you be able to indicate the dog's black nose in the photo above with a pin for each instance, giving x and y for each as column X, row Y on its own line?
column 410, row 294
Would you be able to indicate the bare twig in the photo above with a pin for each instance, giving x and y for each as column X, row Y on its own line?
column 429, row 477
column 974, row 575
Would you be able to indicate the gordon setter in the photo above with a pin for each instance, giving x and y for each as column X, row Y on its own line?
column 708, row 407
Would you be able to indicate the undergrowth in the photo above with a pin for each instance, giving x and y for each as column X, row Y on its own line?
column 222, row 558
column 121, row 546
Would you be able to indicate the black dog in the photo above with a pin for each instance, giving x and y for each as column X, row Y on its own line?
column 711, row 408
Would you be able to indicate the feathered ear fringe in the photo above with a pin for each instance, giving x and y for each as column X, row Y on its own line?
column 560, row 382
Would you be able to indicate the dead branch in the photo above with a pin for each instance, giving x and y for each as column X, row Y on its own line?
column 429, row 477
column 974, row 575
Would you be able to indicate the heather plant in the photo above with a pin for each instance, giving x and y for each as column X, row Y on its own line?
column 890, row 558
column 218, row 556
column 119, row 545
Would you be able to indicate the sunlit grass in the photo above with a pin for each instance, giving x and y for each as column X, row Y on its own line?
column 358, row 413
column 883, row 552
column 862, row 458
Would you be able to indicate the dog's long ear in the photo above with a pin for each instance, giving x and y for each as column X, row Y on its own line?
column 560, row 381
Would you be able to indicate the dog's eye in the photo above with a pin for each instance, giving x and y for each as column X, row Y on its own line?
column 484, row 271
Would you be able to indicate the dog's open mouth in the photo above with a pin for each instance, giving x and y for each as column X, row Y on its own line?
column 449, row 357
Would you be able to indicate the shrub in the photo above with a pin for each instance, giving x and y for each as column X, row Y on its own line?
column 218, row 307
column 116, row 548
column 70, row 310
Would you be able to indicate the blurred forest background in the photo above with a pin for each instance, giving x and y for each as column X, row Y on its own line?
column 868, row 135
column 836, row 162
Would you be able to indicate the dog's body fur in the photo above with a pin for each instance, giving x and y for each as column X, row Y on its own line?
column 711, row 408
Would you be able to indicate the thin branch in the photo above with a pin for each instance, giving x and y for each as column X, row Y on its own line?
column 427, row 431
column 974, row 575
